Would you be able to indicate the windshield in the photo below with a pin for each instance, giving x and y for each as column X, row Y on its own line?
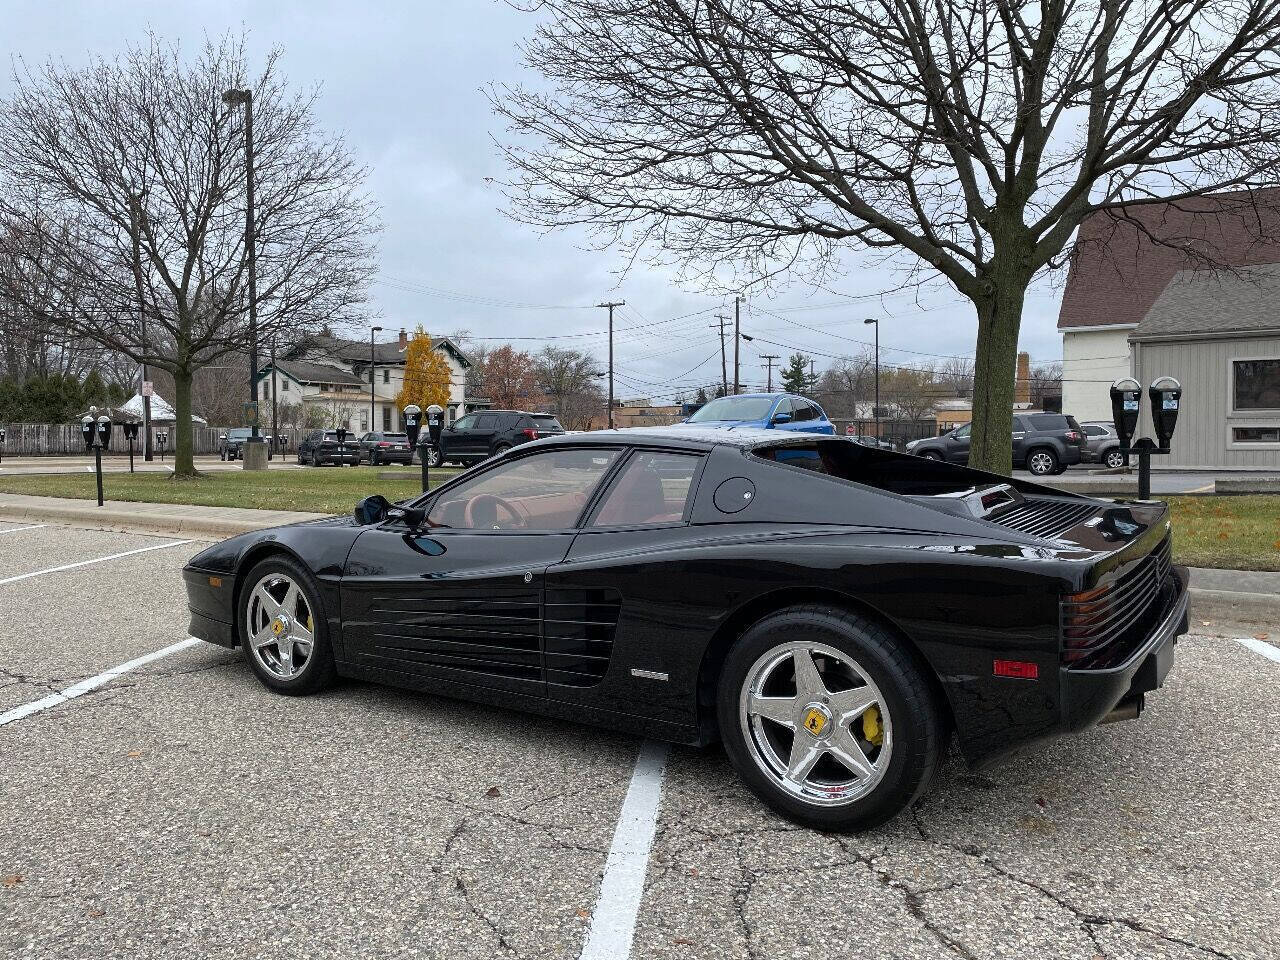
column 734, row 408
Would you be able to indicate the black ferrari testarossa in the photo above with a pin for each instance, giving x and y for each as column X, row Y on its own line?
column 829, row 610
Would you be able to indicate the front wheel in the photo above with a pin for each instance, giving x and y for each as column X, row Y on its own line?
column 1115, row 459
column 433, row 457
column 285, row 634
column 828, row 718
column 1042, row 462
column 500, row 449
column 931, row 455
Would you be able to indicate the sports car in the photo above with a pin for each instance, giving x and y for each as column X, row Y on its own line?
column 833, row 613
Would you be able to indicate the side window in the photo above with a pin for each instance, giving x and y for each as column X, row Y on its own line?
column 963, row 432
column 546, row 491
column 784, row 406
column 804, row 411
column 653, row 488
column 487, row 422
column 466, row 423
column 1094, row 432
column 1048, row 421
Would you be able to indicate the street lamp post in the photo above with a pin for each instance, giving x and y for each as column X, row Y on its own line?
column 244, row 98
column 372, row 331
column 875, row 411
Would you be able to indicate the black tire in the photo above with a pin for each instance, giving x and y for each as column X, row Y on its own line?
column 319, row 671
column 500, row 449
column 433, row 457
column 919, row 730
column 1113, row 459
column 931, row 455
column 1043, row 461
column 374, row 460
column 315, row 459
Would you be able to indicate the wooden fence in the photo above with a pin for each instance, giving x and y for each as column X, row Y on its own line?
column 64, row 439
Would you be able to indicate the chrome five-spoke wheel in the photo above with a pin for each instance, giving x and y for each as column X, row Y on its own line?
column 816, row 723
column 280, row 626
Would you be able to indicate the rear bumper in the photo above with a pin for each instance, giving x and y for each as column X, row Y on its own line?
column 1089, row 695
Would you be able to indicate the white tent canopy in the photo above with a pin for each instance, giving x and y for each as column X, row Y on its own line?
column 161, row 411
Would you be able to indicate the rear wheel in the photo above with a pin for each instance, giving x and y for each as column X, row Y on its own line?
column 285, row 636
column 433, row 457
column 500, row 449
column 828, row 719
column 1114, row 459
column 931, row 455
column 1043, row 462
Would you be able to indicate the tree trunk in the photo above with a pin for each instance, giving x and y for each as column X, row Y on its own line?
column 183, row 441
column 995, row 367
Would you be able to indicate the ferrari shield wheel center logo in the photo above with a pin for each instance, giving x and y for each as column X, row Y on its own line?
column 816, row 719
column 277, row 626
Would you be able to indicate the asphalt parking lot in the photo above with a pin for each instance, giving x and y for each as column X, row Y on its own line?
column 180, row 809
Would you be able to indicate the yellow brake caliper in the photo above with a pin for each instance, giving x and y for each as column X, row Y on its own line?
column 871, row 729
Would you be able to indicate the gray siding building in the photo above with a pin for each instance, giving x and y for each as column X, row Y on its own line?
column 1219, row 334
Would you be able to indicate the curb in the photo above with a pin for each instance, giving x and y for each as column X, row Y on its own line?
column 117, row 516
column 1244, row 612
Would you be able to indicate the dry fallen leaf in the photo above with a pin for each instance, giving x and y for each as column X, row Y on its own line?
column 583, row 915
column 12, row 879
column 1261, row 636
column 97, row 913
column 693, row 871
column 134, row 753
column 493, row 792
column 683, row 940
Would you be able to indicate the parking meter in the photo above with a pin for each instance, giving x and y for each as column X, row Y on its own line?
column 435, row 423
column 88, row 430
column 2, row 436
column 104, row 431
column 162, row 438
column 1126, row 406
column 1166, row 396
column 412, row 424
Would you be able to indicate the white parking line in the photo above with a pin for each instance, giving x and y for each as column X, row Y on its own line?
column 1268, row 650
column 84, row 686
column 34, row 526
column 613, row 922
column 85, row 563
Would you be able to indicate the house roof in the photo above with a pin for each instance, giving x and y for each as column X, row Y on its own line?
column 314, row 373
column 1123, row 259
column 1198, row 302
column 357, row 351
column 161, row 410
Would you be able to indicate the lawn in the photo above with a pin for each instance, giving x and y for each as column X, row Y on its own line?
column 1238, row 533
column 1241, row 533
column 318, row 490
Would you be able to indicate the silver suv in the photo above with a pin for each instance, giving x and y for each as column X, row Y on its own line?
column 1101, row 444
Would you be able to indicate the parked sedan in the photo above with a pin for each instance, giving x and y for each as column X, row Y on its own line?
column 1102, row 444
column 379, row 448
column 321, row 446
column 767, row 411
column 831, row 611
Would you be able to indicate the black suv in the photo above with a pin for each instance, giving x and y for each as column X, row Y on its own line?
column 486, row 433
column 321, row 446
column 232, row 448
column 377, row 448
column 1044, row 443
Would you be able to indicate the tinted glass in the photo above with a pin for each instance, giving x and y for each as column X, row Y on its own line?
column 546, row 422
column 546, row 491
column 466, row 423
column 1256, row 384
column 653, row 488
column 734, row 408
column 963, row 432
column 1048, row 421
column 804, row 411
column 486, row 421
column 1095, row 431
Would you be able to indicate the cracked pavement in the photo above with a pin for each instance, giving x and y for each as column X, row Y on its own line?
column 184, row 809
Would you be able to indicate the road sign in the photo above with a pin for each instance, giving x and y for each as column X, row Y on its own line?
column 848, row 430
column 148, row 388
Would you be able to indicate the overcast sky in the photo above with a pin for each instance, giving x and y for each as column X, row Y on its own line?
column 402, row 82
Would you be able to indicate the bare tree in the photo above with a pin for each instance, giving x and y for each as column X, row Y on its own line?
column 570, row 380
column 970, row 136
column 1046, row 381
column 845, row 382
column 128, row 176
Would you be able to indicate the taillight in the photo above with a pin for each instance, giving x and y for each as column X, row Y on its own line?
column 384, row 444
column 531, row 433
column 1072, row 436
column 1081, row 614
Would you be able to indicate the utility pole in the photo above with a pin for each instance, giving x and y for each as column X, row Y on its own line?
column 372, row 364
column 876, row 410
column 813, row 377
column 768, row 359
column 275, row 397
column 609, row 307
column 737, row 332
column 135, row 211
column 724, row 371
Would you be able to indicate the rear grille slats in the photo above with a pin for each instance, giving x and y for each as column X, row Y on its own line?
column 1045, row 518
column 1102, row 633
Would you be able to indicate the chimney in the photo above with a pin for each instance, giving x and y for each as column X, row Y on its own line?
column 404, row 339
column 1022, row 383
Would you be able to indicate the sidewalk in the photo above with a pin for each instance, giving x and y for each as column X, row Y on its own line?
column 1235, row 602
column 176, row 519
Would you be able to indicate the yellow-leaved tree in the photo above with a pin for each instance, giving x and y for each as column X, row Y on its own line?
column 426, row 374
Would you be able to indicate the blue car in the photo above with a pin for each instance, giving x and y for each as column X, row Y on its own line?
column 768, row 411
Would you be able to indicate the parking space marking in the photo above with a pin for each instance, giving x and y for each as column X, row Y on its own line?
column 1270, row 651
column 34, row 526
column 92, row 683
column 85, row 563
column 613, row 922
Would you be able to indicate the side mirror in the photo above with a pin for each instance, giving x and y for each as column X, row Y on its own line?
column 412, row 516
column 782, row 418
column 371, row 510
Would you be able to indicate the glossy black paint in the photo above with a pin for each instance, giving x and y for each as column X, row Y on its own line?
column 584, row 622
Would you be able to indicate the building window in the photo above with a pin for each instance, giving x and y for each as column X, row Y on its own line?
column 386, row 418
column 324, row 388
column 453, row 412
column 364, row 423
column 284, row 385
column 386, row 375
column 1255, row 384
column 1255, row 434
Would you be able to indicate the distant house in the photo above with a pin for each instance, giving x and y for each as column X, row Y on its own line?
column 1142, row 300
column 355, row 386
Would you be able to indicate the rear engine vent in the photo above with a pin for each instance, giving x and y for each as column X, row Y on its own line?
column 1045, row 518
